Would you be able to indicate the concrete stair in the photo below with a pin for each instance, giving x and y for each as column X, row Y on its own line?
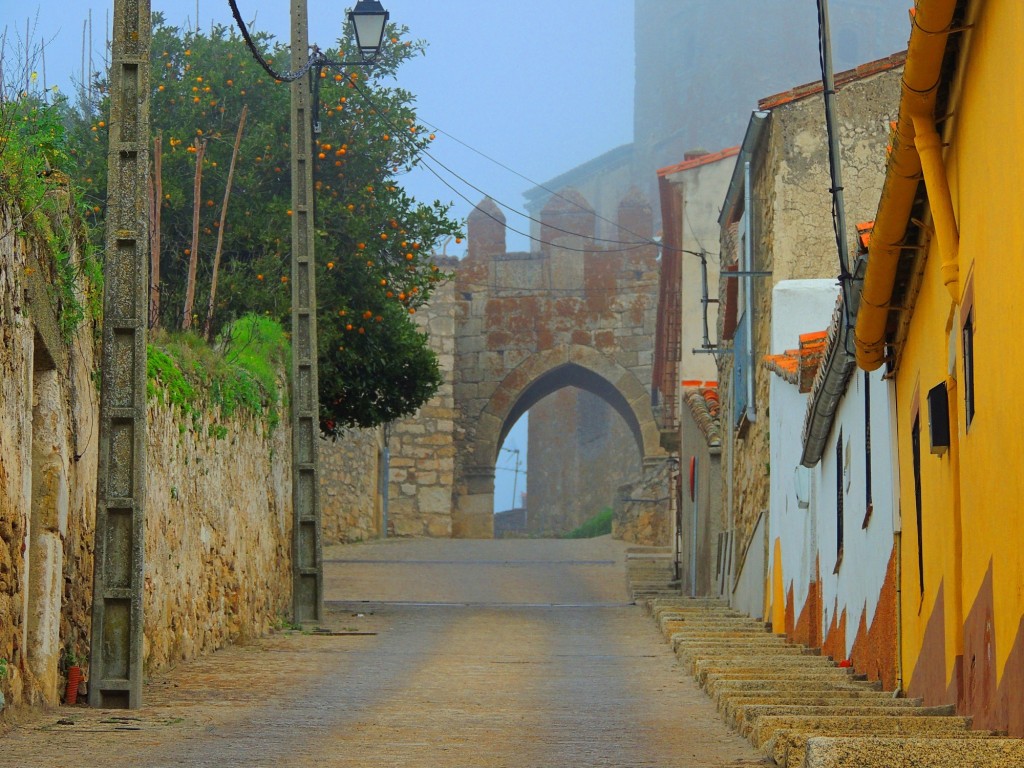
column 649, row 572
column 803, row 711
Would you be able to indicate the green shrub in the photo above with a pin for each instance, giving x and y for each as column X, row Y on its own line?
column 599, row 525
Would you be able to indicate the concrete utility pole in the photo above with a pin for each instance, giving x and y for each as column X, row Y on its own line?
column 115, row 664
column 307, row 557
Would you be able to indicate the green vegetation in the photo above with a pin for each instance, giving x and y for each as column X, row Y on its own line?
column 3, row 668
column 373, row 243
column 34, row 153
column 599, row 525
column 240, row 372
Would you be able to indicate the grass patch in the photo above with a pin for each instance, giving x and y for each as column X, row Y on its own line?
column 599, row 525
column 240, row 372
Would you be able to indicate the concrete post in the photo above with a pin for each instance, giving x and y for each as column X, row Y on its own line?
column 307, row 542
column 115, row 668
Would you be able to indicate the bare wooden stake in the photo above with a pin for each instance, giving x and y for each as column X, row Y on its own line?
column 193, row 256
column 223, row 217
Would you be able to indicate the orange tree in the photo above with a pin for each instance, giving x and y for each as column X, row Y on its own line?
column 373, row 240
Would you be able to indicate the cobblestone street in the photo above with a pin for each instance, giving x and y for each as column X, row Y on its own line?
column 443, row 653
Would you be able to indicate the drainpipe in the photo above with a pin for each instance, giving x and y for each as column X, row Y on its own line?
column 931, row 21
column 693, row 538
column 748, row 286
column 929, row 149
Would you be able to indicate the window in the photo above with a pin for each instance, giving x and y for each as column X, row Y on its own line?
column 915, row 441
column 968, row 343
column 840, row 497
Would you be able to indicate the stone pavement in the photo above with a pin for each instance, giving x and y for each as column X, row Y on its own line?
column 517, row 654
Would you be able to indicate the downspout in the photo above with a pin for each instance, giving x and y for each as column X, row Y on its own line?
column 940, row 202
column 931, row 21
column 748, row 288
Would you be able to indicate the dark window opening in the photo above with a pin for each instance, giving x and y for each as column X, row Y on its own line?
column 915, row 440
column 840, row 482
column 968, row 342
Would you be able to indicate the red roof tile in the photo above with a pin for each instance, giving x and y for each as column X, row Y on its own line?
column 841, row 79
column 712, row 157
column 800, row 366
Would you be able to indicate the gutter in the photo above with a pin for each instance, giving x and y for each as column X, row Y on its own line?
column 751, row 140
column 829, row 384
column 916, row 148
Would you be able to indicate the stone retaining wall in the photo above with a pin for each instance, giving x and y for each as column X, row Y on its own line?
column 218, row 517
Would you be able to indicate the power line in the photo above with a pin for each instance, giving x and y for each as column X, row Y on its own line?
column 537, row 184
column 444, row 181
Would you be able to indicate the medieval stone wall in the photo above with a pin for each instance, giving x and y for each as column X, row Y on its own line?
column 527, row 323
column 351, row 505
column 422, row 446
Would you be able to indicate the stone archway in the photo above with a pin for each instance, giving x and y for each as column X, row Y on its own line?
column 538, row 376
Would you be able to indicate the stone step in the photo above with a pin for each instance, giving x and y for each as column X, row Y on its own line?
column 703, row 665
column 717, row 687
column 889, row 752
column 676, row 623
column 725, row 655
column 816, row 673
column 786, row 742
column 740, row 637
column 682, row 603
column 716, row 624
column 748, row 714
column 733, row 706
column 767, row 727
column 699, row 636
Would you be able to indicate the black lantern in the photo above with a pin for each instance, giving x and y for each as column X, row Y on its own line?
column 369, row 19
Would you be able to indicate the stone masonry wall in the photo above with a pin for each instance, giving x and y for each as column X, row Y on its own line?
column 528, row 323
column 641, row 514
column 218, row 516
column 48, row 462
column 218, row 533
column 422, row 446
column 351, row 505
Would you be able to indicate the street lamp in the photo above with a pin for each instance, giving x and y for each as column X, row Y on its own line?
column 369, row 20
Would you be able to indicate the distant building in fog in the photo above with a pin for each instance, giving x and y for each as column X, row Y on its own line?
column 701, row 66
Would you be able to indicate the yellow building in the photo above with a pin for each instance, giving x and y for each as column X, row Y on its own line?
column 942, row 298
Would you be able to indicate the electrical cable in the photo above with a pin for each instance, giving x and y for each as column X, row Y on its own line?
column 286, row 77
column 428, row 167
column 537, row 184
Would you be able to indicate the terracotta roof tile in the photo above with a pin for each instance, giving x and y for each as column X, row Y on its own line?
column 864, row 230
column 841, row 78
column 702, row 399
column 686, row 165
column 800, row 366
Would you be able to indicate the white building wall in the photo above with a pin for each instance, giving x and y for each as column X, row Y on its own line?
column 798, row 307
column 807, row 535
column 867, row 541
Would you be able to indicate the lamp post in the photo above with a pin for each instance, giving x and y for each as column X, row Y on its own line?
column 369, row 20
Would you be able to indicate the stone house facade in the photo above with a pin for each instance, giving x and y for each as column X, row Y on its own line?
column 775, row 220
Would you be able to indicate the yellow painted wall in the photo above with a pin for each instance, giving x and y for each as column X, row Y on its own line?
column 985, row 164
